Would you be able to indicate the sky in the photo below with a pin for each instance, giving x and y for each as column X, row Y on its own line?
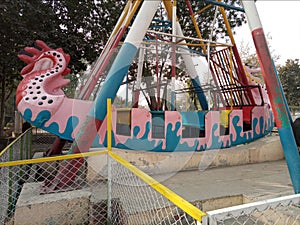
column 281, row 24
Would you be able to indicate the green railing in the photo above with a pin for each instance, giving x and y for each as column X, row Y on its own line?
column 11, row 177
column 20, row 148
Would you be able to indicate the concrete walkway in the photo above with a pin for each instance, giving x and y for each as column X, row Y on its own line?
column 254, row 172
column 254, row 181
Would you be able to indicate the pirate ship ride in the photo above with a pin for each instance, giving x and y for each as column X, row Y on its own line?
column 230, row 107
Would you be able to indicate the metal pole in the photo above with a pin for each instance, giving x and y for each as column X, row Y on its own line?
column 114, row 78
column 109, row 176
column 275, row 94
column 139, row 78
column 173, row 55
column 188, row 60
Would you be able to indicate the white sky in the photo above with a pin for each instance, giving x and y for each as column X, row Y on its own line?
column 281, row 24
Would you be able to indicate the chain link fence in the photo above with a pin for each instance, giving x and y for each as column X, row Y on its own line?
column 11, row 178
column 91, row 198
column 89, row 188
column 280, row 211
column 100, row 187
column 29, row 195
column 42, row 141
column 141, row 199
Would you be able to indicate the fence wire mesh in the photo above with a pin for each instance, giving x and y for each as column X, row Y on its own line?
column 277, row 211
column 89, row 199
column 97, row 189
column 38, row 193
column 11, row 178
column 140, row 203
column 65, row 190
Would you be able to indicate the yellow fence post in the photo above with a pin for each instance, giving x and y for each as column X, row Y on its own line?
column 109, row 133
column 109, row 169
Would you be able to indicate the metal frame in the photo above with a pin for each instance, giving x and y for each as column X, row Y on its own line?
column 227, row 213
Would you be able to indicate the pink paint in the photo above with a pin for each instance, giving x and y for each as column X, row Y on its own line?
column 257, row 112
column 211, row 118
column 189, row 141
column 140, row 117
column 173, row 117
column 71, row 107
column 232, row 130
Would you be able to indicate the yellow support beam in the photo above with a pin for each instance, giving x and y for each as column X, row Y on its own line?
column 196, row 25
column 109, row 133
column 15, row 141
column 168, row 6
column 126, row 16
column 203, row 9
column 51, row 159
column 132, row 12
column 180, row 202
column 120, row 22
column 227, row 24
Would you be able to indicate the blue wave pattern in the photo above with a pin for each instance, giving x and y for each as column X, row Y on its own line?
column 173, row 141
column 53, row 128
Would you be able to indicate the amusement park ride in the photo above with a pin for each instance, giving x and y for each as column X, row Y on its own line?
column 232, row 107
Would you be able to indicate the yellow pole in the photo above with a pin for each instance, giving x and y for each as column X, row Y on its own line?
column 51, row 159
column 241, row 72
column 203, row 9
column 109, row 130
column 168, row 6
column 132, row 12
column 228, row 27
column 109, row 176
column 196, row 25
column 198, row 33
column 120, row 22
column 187, row 207
column 126, row 16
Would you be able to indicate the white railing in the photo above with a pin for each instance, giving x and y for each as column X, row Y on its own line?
column 283, row 210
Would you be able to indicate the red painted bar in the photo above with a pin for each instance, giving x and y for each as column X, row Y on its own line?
column 276, row 99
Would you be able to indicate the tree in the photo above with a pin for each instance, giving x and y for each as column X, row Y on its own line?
column 80, row 27
column 249, row 57
column 205, row 18
column 289, row 75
